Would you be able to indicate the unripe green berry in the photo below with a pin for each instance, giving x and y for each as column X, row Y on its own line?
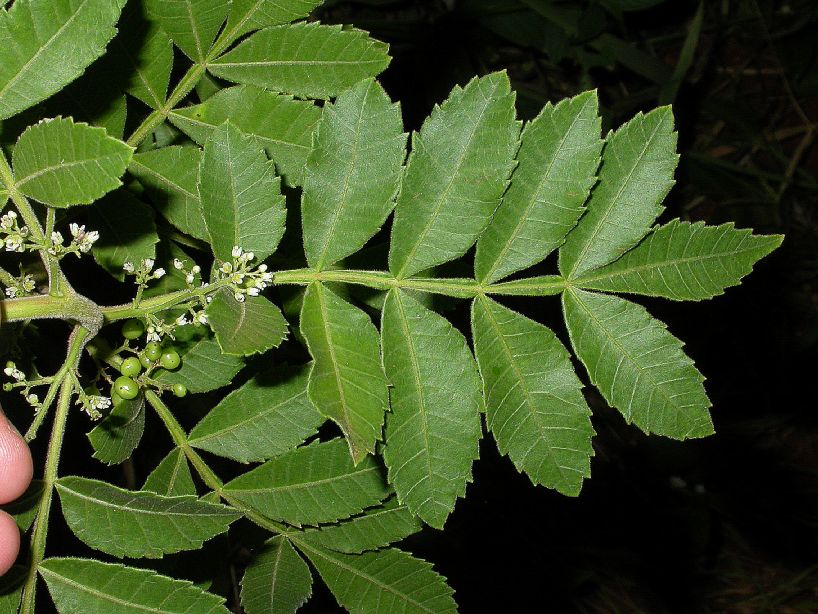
column 130, row 366
column 8, row 387
column 144, row 360
column 133, row 329
column 179, row 390
column 115, row 398
column 125, row 387
column 153, row 351
column 170, row 360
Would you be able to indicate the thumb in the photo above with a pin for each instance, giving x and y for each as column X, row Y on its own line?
column 16, row 467
column 15, row 474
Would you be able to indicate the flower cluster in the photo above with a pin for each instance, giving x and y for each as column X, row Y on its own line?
column 21, row 286
column 81, row 241
column 92, row 403
column 144, row 272
column 12, row 234
column 20, row 381
column 244, row 280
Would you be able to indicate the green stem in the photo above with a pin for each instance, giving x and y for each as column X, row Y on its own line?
column 6, row 278
column 152, row 121
column 52, row 462
column 457, row 287
column 208, row 476
column 157, row 303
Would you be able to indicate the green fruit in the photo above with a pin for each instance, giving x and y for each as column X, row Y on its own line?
column 153, row 351
column 170, row 360
column 132, row 329
column 8, row 387
column 115, row 398
column 179, row 390
column 144, row 360
column 125, row 387
column 130, row 367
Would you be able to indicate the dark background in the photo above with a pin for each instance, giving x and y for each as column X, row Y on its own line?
column 725, row 524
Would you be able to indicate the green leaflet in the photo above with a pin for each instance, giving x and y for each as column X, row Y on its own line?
column 171, row 478
column 127, row 232
column 46, row 44
column 297, row 486
column 267, row 416
column 147, row 52
column 277, row 580
column 684, row 262
column 636, row 174
column 169, row 176
column 204, row 368
column 283, row 125
column 304, row 59
column 458, row 169
column 138, row 524
column 382, row 582
column 558, row 159
column 240, row 195
column 192, row 24
column 115, row 438
column 638, row 366
column 347, row 383
column 249, row 15
column 81, row 586
column 60, row 163
column 534, row 403
column 352, row 173
column 433, row 431
column 11, row 589
column 245, row 328
column 375, row 528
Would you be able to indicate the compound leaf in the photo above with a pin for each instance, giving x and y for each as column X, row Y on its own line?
column 115, row 438
column 297, row 486
column 267, row 416
column 46, row 44
column 204, row 368
column 534, row 403
column 247, row 327
column 638, row 366
column 192, row 24
column 169, row 176
column 376, row 528
column 636, row 174
column 277, row 580
column 79, row 586
column 240, row 195
column 382, row 582
column 283, row 125
column 138, row 524
column 352, row 173
column 305, row 59
column 347, row 383
column 127, row 232
column 249, row 15
column 684, row 262
column 558, row 159
column 171, row 478
column 433, row 431
column 458, row 169
column 60, row 163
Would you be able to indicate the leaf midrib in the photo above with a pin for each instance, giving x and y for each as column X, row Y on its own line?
column 126, row 508
column 303, row 485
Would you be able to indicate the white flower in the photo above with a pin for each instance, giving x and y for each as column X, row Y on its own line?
column 14, row 243
column 181, row 320
column 28, row 283
column 11, row 292
column 97, row 402
column 239, row 297
column 253, row 291
column 189, row 278
column 237, row 278
column 248, row 256
column 9, row 370
column 237, row 251
column 56, row 238
column 33, row 399
column 128, row 267
column 158, row 273
column 178, row 264
column 201, row 317
column 154, row 336
column 15, row 373
column 76, row 229
column 196, row 269
column 85, row 240
column 262, row 268
column 147, row 264
column 8, row 220
column 227, row 267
